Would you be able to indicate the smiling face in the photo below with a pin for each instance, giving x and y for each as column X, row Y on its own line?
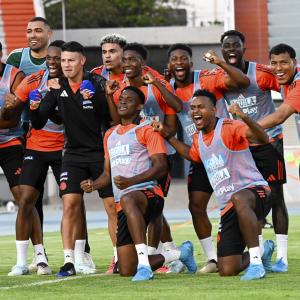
column 129, row 104
column 233, row 50
column 203, row 113
column 283, row 67
column 180, row 64
column 132, row 63
column 53, row 61
column 38, row 35
column 112, row 56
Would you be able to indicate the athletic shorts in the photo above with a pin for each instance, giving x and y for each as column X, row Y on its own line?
column 154, row 209
column 165, row 181
column 270, row 161
column 230, row 238
column 11, row 163
column 72, row 173
column 35, row 167
column 198, row 180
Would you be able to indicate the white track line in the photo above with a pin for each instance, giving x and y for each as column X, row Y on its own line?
column 38, row 283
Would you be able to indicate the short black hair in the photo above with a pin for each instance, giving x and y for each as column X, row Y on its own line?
column 137, row 91
column 56, row 43
column 39, row 19
column 232, row 32
column 139, row 48
column 73, row 47
column 180, row 46
column 283, row 48
column 205, row 93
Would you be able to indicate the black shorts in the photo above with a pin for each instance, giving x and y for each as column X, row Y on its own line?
column 11, row 163
column 198, row 180
column 230, row 238
column 72, row 173
column 154, row 209
column 270, row 162
column 35, row 167
column 165, row 181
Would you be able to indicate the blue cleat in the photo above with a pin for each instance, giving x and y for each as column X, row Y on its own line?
column 254, row 271
column 280, row 266
column 266, row 259
column 143, row 273
column 187, row 256
column 66, row 270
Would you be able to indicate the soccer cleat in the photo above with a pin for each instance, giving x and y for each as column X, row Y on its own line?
column 187, row 256
column 143, row 273
column 280, row 266
column 162, row 270
column 111, row 267
column 83, row 268
column 43, row 269
column 33, row 267
column 89, row 260
column 176, row 267
column 254, row 271
column 18, row 270
column 266, row 259
column 209, row 267
column 66, row 270
column 116, row 268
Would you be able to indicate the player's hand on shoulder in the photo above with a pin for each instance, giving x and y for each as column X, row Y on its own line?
column 148, row 78
column 111, row 86
column 87, row 185
column 87, row 89
column 35, row 98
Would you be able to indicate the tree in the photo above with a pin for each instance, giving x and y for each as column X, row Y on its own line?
column 115, row 13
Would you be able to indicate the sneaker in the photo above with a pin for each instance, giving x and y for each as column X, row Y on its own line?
column 18, row 270
column 209, row 267
column 84, row 268
column 187, row 256
column 33, row 267
column 89, row 260
column 176, row 267
column 43, row 269
column 254, row 271
column 266, row 259
column 280, row 266
column 66, row 270
column 110, row 269
column 143, row 273
column 162, row 270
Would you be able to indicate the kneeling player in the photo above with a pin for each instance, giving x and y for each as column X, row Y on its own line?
column 134, row 150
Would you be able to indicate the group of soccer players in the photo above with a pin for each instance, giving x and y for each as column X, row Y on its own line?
column 113, row 130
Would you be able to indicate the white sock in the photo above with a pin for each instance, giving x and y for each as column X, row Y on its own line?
column 282, row 241
column 167, row 246
column 142, row 254
column 22, row 247
column 79, row 251
column 159, row 248
column 115, row 254
column 39, row 252
column 208, row 247
column 171, row 255
column 69, row 256
column 254, row 254
column 151, row 250
column 261, row 244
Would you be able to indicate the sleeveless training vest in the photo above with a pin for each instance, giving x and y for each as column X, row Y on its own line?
column 27, row 66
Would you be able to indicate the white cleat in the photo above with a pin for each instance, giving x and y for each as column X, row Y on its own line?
column 89, row 260
column 33, row 267
column 83, row 268
column 18, row 270
column 209, row 267
column 176, row 267
column 43, row 269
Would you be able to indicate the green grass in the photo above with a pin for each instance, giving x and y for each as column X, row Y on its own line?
column 164, row 286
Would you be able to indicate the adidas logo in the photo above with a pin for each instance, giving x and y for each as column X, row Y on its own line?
column 64, row 94
column 141, row 253
column 40, row 253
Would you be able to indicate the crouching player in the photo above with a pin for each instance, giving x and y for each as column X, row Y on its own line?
column 223, row 146
column 135, row 157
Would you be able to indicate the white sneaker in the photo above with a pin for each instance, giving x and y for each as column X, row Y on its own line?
column 33, row 267
column 18, row 270
column 89, row 260
column 82, row 268
column 209, row 267
column 43, row 269
column 176, row 267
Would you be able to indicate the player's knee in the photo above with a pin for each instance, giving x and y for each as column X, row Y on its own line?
column 197, row 208
column 25, row 203
column 127, row 203
column 72, row 208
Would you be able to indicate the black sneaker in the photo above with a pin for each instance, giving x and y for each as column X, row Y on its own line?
column 66, row 270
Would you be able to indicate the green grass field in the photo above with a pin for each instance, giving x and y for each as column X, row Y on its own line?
column 164, row 286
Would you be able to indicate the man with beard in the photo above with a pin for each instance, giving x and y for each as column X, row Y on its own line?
column 185, row 82
column 256, row 101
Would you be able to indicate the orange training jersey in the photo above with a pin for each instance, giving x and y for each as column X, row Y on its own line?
column 39, row 140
